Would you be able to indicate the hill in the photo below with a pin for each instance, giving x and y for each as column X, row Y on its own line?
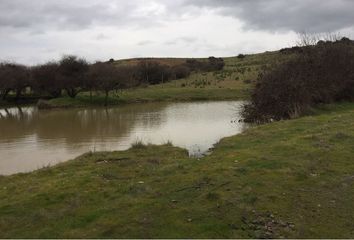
column 234, row 82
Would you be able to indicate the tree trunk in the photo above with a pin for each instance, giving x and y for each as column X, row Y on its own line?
column 18, row 94
column 55, row 93
column 72, row 92
column 106, row 99
column 6, row 92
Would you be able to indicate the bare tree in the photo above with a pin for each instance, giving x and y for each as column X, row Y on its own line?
column 73, row 71
column 46, row 79
column 306, row 39
column 106, row 78
column 13, row 77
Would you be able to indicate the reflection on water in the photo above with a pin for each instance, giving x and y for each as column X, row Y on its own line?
column 31, row 139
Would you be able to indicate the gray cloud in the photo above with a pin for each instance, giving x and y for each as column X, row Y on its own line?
column 274, row 15
column 293, row 15
column 72, row 15
column 39, row 30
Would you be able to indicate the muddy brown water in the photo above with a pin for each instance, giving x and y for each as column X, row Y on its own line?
column 31, row 139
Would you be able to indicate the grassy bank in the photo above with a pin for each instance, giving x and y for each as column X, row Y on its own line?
column 151, row 94
column 289, row 179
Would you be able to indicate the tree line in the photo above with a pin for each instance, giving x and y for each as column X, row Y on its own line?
column 72, row 75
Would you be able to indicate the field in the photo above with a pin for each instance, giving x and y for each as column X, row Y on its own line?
column 290, row 179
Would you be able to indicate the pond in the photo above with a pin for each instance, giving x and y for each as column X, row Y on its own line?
column 31, row 139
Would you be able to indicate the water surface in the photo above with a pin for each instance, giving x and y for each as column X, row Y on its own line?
column 32, row 138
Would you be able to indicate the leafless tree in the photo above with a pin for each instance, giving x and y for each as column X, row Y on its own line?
column 73, row 72
column 46, row 79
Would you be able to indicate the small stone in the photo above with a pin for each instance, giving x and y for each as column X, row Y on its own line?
column 319, row 205
column 174, row 201
column 189, row 220
column 291, row 225
column 141, row 182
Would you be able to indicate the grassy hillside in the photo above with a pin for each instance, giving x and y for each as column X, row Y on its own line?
column 234, row 82
column 289, row 179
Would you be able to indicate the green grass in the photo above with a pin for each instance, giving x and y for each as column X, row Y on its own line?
column 151, row 94
column 292, row 179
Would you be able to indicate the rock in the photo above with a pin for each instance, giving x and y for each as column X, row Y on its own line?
column 291, row 225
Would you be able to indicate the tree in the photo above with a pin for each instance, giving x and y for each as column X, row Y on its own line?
column 107, row 77
column 3, row 87
column 46, row 79
column 73, row 72
column 152, row 72
column 13, row 77
column 180, row 71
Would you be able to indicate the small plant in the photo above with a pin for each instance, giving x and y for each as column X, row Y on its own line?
column 169, row 143
column 138, row 144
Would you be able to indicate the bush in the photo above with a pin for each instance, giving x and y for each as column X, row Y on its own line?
column 152, row 72
column 321, row 74
column 180, row 71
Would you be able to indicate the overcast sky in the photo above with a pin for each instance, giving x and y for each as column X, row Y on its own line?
column 34, row 31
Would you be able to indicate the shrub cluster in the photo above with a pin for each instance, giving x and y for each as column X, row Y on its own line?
column 213, row 64
column 318, row 74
